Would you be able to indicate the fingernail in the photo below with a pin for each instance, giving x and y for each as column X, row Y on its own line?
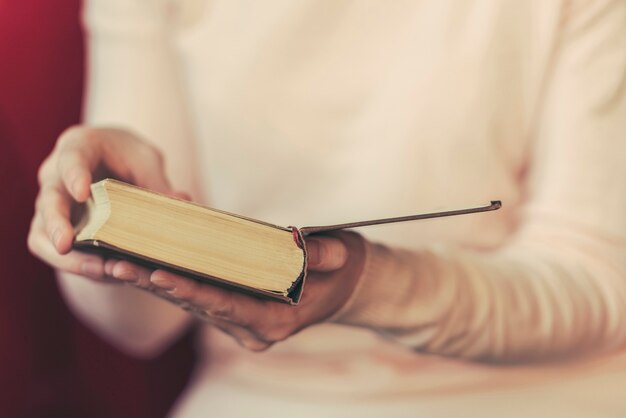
column 163, row 283
column 92, row 268
column 125, row 274
column 326, row 254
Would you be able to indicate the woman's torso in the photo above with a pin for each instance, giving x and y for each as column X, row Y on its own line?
column 324, row 112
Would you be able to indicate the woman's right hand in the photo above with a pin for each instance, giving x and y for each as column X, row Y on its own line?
column 81, row 156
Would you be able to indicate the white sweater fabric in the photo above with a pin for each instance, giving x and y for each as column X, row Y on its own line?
column 314, row 112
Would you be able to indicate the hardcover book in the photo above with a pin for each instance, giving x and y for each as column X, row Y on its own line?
column 125, row 221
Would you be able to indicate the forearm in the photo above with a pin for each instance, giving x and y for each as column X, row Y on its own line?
column 523, row 302
column 558, row 285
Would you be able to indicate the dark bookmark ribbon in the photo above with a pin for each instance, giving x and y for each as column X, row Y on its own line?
column 308, row 230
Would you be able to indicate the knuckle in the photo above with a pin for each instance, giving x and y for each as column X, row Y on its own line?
column 69, row 135
column 74, row 139
column 88, row 133
column 185, row 291
column 222, row 309
column 143, row 280
column 43, row 173
column 44, row 205
column 40, row 204
column 31, row 242
column 34, row 244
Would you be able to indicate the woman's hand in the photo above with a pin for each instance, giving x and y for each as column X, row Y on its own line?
column 335, row 265
column 83, row 155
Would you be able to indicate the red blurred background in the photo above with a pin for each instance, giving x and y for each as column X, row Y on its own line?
column 51, row 365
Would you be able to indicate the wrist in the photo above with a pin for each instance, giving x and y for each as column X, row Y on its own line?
column 397, row 290
column 354, row 310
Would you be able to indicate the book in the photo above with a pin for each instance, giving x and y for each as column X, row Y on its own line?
column 221, row 248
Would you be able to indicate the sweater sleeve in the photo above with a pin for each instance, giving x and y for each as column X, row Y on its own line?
column 135, row 79
column 558, row 285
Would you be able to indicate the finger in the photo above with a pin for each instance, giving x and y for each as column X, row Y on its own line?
column 54, row 208
column 265, row 322
column 243, row 336
column 139, row 276
column 134, row 159
column 108, row 266
column 129, row 272
column 218, row 303
column 89, row 265
column 325, row 254
column 83, row 149
column 78, row 156
column 154, row 178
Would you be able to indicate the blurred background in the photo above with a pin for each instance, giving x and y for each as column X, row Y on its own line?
column 51, row 365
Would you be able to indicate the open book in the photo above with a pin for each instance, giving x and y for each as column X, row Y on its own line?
column 125, row 221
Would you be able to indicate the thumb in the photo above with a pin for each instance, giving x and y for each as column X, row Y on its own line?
column 326, row 254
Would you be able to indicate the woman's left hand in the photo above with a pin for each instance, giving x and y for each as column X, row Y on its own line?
column 335, row 263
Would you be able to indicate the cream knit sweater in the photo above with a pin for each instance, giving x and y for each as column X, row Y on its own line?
column 310, row 112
